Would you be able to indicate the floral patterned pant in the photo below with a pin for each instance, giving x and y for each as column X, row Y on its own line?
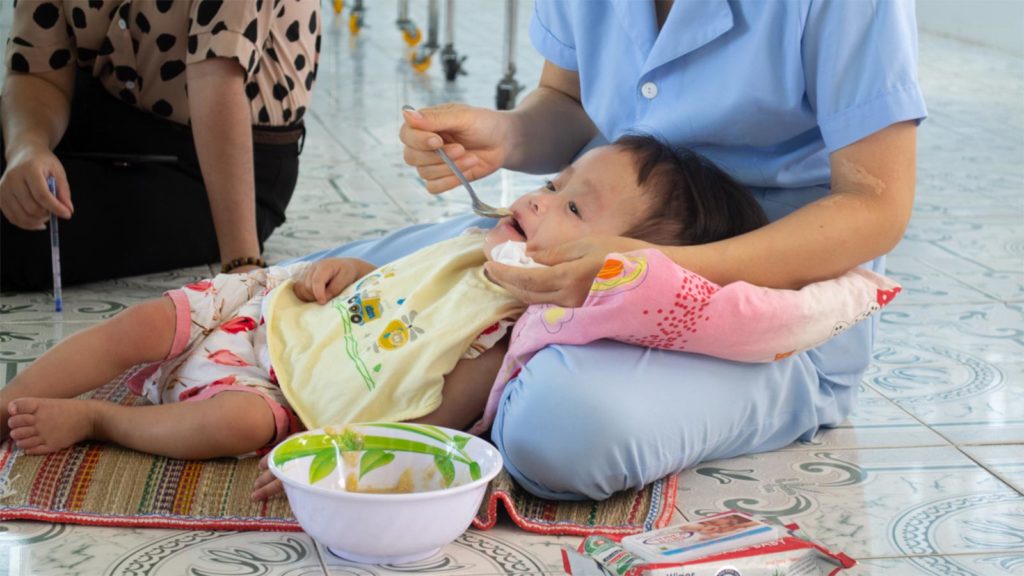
column 220, row 345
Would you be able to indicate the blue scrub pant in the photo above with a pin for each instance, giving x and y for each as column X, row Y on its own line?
column 588, row 421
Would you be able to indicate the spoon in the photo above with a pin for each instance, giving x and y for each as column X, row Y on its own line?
column 480, row 207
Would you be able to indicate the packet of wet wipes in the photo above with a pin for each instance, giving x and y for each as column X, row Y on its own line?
column 790, row 555
column 703, row 537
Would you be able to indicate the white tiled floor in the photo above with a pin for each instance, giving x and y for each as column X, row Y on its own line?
column 927, row 475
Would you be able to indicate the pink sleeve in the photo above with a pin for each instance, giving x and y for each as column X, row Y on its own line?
column 644, row 298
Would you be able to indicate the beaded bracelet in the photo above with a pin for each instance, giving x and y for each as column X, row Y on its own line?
column 239, row 262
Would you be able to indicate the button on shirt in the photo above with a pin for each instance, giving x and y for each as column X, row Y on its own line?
column 139, row 50
column 765, row 89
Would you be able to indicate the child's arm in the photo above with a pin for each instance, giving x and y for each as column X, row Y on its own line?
column 466, row 389
column 326, row 278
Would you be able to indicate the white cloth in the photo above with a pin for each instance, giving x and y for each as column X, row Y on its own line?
column 513, row 253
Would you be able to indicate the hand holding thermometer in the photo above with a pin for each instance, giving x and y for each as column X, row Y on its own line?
column 51, row 183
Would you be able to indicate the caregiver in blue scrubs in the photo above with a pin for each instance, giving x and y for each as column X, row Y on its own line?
column 812, row 104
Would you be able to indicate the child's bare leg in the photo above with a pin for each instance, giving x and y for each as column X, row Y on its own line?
column 466, row 389
column 89, row 359
column 227, row 424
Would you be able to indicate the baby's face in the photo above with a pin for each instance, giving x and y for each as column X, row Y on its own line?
column 597, row 195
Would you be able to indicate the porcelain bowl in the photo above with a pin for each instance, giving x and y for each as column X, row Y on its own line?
column 384, row 493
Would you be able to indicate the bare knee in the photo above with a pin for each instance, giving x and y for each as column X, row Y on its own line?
column 241, row 422
column 146, row 330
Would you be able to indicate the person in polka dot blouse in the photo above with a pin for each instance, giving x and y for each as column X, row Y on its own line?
column 138, row 110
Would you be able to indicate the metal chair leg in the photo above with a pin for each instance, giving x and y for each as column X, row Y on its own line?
column 421, row 57
column 410, row 32
column 508, row 88
column 449, row 58
column 356, row 18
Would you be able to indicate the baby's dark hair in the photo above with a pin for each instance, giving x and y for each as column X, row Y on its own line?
column 692, row 201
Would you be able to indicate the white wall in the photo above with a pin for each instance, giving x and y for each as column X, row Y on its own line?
column 996, row 23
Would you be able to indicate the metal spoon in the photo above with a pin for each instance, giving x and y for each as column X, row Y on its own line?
column 480, row 207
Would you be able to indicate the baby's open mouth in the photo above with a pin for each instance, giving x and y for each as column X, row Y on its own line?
column 515, row 226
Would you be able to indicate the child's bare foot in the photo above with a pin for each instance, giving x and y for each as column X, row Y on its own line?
column 5, row 430
column 44, row 425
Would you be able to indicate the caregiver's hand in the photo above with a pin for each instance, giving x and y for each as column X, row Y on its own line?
column 475, row 138
column 572, row 268
column 25, row 199
column 266, row 485
column 325, row 279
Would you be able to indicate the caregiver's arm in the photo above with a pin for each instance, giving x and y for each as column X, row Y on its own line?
column 542, row 134
column 873, row 183
column 872, row 193
column 549, row 126
column 35, row 111
column 222, row 129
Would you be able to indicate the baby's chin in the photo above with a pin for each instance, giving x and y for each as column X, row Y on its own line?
column 499, row 235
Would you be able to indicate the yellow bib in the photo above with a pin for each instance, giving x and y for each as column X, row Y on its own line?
column 381, row 349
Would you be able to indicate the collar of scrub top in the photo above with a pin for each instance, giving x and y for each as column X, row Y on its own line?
column 692, row 25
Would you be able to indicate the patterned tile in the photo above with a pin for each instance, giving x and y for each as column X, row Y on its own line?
column 876, row 422
column 501, row 550
column 68, row 550
column 868, row 503
column 924, row 284
column 992, row 330
column 956, row 368
column 22, row 343
column 973, row 564
column 96, row 301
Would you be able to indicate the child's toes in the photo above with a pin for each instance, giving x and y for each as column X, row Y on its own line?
column 30, row 443
column 23, row 406
column 21, row 421
column 23, row 433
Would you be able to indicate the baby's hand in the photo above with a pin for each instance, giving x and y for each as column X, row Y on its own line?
column 266, row 485
column 326, row 278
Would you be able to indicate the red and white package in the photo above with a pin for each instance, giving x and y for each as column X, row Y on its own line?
column 788, row 556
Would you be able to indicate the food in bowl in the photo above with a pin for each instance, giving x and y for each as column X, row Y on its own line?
column 385, row 493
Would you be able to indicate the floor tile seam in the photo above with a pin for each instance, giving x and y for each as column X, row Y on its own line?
column 965, row 302
column 978, row 129
column 393, row 201
column 1006, row 481
column 961, row 282
column 952, row 254
column 945, row 555
column 864, row 448
column 361, row 164
column 982, row 444
column 320, row 558
column 916, row 418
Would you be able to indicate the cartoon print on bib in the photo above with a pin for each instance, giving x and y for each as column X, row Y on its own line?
column 398, row 333
column 625, row 273
column 352, row 346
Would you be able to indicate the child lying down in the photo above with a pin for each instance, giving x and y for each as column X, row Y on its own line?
column 235, row 364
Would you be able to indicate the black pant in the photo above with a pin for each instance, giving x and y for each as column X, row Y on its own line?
column 135, row 218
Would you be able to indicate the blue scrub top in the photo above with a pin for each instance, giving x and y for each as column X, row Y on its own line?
column 765, row 88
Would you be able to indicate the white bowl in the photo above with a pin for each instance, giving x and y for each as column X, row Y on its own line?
column 385, row 493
